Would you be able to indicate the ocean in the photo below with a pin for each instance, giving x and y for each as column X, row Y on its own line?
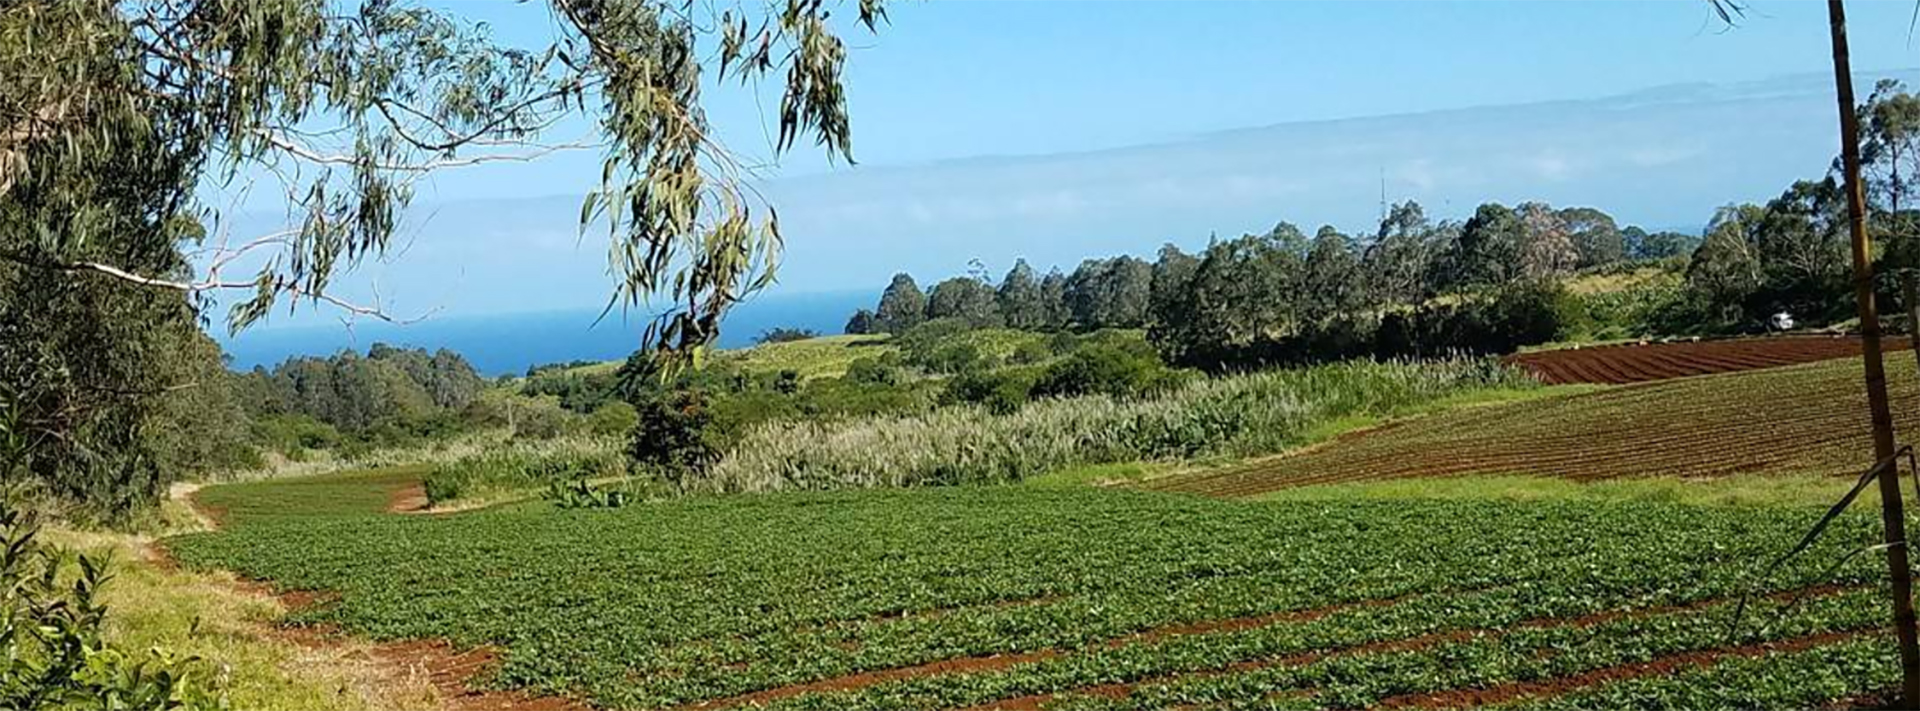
column 509, row 343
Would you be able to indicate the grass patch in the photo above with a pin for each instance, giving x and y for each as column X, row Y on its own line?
column 206, row 615
column 1095, row 475
column 317, row 496
column 823, row 357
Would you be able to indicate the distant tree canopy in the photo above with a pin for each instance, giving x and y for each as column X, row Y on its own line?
column 354, row 392
column 785, row 334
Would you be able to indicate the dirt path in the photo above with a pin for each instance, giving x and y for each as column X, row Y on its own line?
column 409, row 499
column 391, row 670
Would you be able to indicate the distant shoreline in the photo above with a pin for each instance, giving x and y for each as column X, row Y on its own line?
column 502, row 344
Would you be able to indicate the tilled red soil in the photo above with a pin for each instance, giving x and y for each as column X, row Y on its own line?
column 1635, row 363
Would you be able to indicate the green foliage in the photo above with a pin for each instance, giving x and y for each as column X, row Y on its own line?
column 861, row 323
column 356, row 393
column 53, row 650
column 1020, row 300
column 581, row 494
column 1109, row 293
column 964, row 299
column 676, row 603
column 294, row 433
column 1127, row 370
column 824, row 357
column 678, row 435
column 1000, row 390
column 1239, row 415
column 612, row 419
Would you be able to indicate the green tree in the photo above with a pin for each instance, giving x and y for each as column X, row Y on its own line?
column 1243, row 292
column 1726, row 269
column 1168, row 293
column 1330, row 277
column 902, row 305
column 1547, row 248
column 964, row 298
column 1890, row 163
column 114, row 117
column 1053, row 301
column 1802, row 246
column 1657, row 245
column 1595, row 236
column 862, row 322
column 1019, row 299
column 1109, row 293
column 1399, row 264
column 1489, row 249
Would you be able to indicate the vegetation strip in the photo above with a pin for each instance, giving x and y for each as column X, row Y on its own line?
column 448, row 669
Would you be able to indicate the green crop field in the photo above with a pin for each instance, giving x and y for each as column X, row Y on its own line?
column 1026, row 598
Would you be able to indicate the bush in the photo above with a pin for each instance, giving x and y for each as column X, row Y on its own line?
column 612, row 419
column 1002, row 391
column 1106, row 369
column 872, row 371
column 677, row 436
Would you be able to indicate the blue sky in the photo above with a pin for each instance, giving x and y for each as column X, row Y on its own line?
column 1067, row 129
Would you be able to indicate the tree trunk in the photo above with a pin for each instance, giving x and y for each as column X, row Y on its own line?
column 1882, row 417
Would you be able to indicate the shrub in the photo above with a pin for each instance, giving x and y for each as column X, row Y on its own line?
column 1001, row 390
column 612, row 419
column 677, row 435
column 1106, row 369
column 53, row 651
column 873, row 371
column 581, row 494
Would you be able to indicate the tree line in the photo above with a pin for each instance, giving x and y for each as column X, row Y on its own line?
column 1258, row 290
column 1420, row 286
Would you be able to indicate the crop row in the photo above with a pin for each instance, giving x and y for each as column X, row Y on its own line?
column 1638, row 363
column 1519, row 662
column 1287, row 657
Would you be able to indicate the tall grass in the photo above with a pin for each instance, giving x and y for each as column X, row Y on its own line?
column 1238, row 415
column 520, row 465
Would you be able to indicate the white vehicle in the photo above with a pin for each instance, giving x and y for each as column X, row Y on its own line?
column 1782, row 321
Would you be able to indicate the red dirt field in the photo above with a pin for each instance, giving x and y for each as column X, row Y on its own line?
column 1634, row 363
column 1800, row 420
